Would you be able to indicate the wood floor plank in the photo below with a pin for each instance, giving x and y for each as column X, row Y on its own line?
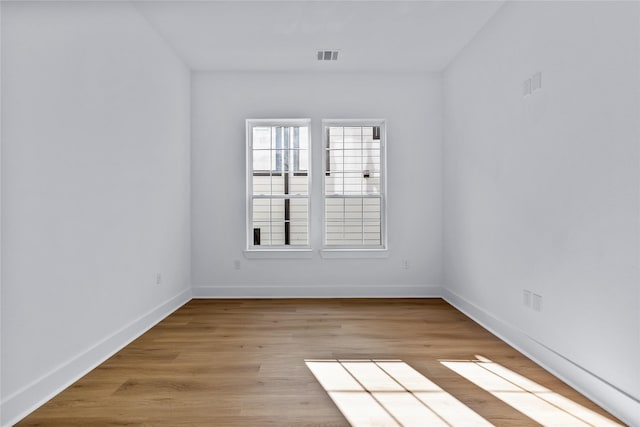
column 242, row 363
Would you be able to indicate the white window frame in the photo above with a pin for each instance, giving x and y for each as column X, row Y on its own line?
column 277, row 251
column 356, row 251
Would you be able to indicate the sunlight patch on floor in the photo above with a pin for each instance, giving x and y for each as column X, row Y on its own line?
column 533, row 400
column 389, row 393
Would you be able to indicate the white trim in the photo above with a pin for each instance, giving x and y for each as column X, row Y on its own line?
column 354, row 253
column 359, row 122
column 1, row 133
column 19, row 404
column 278, row 122
column 614, row 400
column 278, row 254
column 318, row 291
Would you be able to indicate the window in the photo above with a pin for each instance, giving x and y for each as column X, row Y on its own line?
column 278, row 153
column 354, row 184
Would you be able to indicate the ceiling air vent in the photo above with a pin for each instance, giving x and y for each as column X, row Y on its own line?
column 327, row 55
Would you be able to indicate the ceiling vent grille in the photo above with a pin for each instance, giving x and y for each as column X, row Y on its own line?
column 327, row 55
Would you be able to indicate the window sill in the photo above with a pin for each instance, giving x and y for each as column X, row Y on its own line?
column 354, row 253
column 278, row 253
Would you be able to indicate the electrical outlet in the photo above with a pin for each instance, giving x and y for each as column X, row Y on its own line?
column 526, row 298
column 537, row 302
column 158, row 278
column 532, row 84
column 536, row 82
column 526, row 87
column 405, row 264
column 236, row 264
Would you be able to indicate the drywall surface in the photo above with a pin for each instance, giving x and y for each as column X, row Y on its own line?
column 0, row 211
column 541, row 191
column 95, row 186
column 411, row 104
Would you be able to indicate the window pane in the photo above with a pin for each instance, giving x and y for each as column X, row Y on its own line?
column 353, row 210
column 303, row 138
column 336, row 133
column 298, row 219
column 261, row 218
column 370, row 165
column 352, row 183
column 371, row 185
column 261, row 185
column 353, row 221
column 299, row 209
column 279, row 158
column 261, row 210
column 261, row 160
column 261, row 138
column 371, row 144
column 352, row 143
column 351, row 131
column 301, row 160
column 262, row 234
column 353, row 167
column 334, row 221
column 335, row 160
column 299, row 185
column 343, row 221
column 276, row 160
column 277, row 210
column 371, row 211
column 334, row 184
column 277, row 183
column 372, row 235
column 277, row 137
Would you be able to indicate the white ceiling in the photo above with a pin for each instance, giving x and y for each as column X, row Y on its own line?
column 285, row 35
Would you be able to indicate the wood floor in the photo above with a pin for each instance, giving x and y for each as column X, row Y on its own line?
column 241, row 363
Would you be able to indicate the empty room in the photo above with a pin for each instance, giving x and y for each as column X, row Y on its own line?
column 320, row 213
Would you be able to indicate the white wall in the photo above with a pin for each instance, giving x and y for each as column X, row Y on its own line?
column 411, row 103
column 95, row 190
column 1, row 98
column 541, row 193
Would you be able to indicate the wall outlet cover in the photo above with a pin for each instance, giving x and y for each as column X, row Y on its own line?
column 526, row 298
column 537, row 302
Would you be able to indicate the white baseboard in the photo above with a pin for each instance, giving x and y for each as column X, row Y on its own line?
column 609, row 397
column 389, row 291
column 20, row 404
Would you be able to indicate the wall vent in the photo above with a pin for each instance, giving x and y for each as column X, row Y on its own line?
column 327, row 55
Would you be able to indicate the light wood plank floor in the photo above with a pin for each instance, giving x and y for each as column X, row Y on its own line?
column 241, row 363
